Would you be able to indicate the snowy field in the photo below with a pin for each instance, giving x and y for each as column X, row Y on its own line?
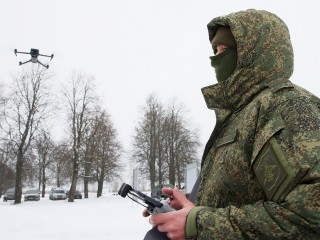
column 105, row 218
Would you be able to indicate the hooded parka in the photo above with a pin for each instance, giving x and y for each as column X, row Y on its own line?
column 260, row 171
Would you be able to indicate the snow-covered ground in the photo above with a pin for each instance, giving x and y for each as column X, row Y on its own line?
column 105, row 218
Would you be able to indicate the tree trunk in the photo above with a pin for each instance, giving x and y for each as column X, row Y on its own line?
column 75, row 172
column 87, row 172
column 100, row 187
column 18, row 185
column 171, row 169
column 152, row 175
column 160, row 162
column 43, row 183
column 39, row 177
column 86, row 190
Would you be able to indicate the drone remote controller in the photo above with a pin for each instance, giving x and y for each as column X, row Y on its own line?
column 153, row 206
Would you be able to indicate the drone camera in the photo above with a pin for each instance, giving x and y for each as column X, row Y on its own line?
column 34, row 52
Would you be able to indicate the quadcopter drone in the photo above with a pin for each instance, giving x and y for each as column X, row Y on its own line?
column 34, row 56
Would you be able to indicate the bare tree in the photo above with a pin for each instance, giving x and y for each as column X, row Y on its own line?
column 88, row 166
column 181, row 143
column 61, row 168
column 107, row 150
column 43, row 149
column 25, row 110
column 164, row 143
column 90, row 153
column 29, row 170
column 80, row 99
column 147, row 139
column 7, row 174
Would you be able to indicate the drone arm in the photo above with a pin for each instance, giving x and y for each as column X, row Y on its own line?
column 50, row 56
column 16, row 51
column 20, row 63
column 46, row 66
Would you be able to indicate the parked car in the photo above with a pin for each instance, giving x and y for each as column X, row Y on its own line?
column 32, row 195
column 157, row 193
column 57, row 194
column 9, row 195
column 77, row 194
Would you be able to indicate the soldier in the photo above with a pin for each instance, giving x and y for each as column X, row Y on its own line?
column 260, row 171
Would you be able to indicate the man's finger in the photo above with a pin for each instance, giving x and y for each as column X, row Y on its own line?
column 168, row 191
column 180, row 197
column 145, row 213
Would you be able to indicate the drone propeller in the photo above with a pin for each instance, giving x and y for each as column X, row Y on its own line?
column 16, row 51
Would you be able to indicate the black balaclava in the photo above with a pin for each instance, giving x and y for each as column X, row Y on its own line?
column 226, row 62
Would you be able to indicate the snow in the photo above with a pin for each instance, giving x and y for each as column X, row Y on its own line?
column 104, row 218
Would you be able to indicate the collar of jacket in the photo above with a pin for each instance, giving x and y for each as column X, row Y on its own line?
column 232, row 94
column 224, row 101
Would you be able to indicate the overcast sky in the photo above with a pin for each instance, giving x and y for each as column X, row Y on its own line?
column 138, row 47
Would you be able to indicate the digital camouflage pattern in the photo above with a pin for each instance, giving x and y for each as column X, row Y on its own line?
column 260, row 172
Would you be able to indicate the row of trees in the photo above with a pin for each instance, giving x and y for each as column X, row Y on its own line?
column 163, row 142
column 27, row 149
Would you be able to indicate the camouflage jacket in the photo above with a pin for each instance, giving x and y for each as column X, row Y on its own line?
column 260, row 174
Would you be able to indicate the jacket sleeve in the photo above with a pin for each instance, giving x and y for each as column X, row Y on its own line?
column 290, row 180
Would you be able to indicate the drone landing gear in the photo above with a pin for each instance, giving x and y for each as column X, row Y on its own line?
column 46, row 66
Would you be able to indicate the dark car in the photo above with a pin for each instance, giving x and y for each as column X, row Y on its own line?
column 9, row 195
column 157, row 193
column 77, row 194
column 32, row 195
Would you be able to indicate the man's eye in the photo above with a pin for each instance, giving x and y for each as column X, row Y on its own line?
column 215, row 51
